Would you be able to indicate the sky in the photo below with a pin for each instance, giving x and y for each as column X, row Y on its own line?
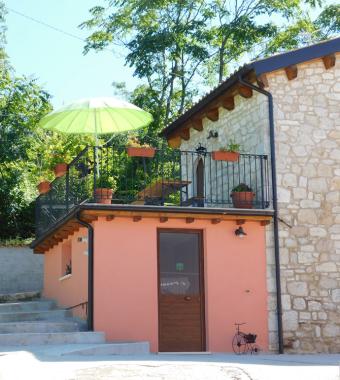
column 56, row 60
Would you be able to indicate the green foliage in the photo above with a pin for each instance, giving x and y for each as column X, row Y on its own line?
column 27, row 152
column 328, row 21
column 231, row 147
column 175, row 46
column 107, row 181
column 242, row 187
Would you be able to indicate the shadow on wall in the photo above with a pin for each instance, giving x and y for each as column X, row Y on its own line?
column 20, row 270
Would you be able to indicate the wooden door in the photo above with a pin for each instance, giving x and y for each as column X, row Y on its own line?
column 181, row 294
column 200, row 179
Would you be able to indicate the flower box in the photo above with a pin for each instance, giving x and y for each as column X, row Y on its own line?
column 60, row 170
column 221, row 155
column 140, row 152
column 44, row 187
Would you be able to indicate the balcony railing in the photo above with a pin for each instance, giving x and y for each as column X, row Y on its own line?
column 170, row 178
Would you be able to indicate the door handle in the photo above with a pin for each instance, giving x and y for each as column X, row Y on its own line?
column 187, row 298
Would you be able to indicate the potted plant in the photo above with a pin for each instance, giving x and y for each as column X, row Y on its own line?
column 136, row 149
column 60, row 169
column 57, row 163
column 44, row 186
column 228, row 153
column 106, row 186
column 242, row 196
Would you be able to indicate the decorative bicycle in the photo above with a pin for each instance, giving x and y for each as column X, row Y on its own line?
column 243, row 343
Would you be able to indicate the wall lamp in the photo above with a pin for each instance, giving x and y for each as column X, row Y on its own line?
column 239, row 232
column 212, row 134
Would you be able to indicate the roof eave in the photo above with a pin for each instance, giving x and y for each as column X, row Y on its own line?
column 231, row 81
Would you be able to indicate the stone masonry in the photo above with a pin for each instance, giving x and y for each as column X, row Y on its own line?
column 307, row 128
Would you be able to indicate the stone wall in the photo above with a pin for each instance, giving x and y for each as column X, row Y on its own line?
column 20, row 270
column 246, row 125
column 307, row 131
column 307, row 127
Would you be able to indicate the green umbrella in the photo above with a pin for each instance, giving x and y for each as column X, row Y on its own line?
column 97, row 116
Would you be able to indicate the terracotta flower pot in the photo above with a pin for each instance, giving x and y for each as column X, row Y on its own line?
column 140, row 152
column 243, row 199
column 44, row 187
column 220, row 155
column 103, row 195
column 60, row 170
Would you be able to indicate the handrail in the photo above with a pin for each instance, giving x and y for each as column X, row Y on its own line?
column 79, row 304
column 170, row 177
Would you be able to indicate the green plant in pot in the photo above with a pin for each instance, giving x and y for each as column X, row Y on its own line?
column 106, row 185
column 231, row 152
column 43, row 186
column 242, row 196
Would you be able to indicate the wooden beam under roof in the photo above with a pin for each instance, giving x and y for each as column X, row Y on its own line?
column 262, row 80
column 215, row 221
column 244, row 91
column 174, row 142
column 197, row 124
column 212, row 114
column 329, row 61
column 291, row 72
column 228, row 103
column 71, row 226
column 184, row 133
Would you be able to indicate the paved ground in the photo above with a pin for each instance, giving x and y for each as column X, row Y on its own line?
column 43, row 363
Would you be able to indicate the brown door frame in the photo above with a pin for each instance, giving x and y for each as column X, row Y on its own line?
column 202, row 287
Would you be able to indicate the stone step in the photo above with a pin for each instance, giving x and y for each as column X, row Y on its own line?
column 118, row 348
column 15, row 297
column 38, row 327
column 27, row 339
column 49, row 315
column 27, row 306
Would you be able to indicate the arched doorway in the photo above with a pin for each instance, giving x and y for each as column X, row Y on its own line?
column 200, row 180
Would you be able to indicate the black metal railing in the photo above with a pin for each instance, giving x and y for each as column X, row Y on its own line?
column 169, row 178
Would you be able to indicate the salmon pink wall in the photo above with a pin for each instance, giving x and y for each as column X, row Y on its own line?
column 73, row 289
column 125, row 280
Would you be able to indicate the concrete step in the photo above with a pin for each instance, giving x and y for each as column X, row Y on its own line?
column 49, row 315
column 27, row 306
column 15, row 297
column 117, row 348
column 27, row 339
column 38, row 327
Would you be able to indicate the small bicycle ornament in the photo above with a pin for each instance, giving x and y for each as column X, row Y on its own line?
column 243, row 343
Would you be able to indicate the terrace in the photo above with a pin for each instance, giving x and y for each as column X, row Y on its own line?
column 171, row 178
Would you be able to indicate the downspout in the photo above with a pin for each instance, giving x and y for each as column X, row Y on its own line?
column 90, row 271
column 275, row 216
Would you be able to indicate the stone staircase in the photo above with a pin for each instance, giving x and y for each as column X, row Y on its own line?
column 39, row 322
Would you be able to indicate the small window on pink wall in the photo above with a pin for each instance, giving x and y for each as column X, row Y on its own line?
column 66, row 259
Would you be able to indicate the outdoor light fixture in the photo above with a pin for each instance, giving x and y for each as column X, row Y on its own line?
column 201, row 150
column 240, row 233
column 212, row 134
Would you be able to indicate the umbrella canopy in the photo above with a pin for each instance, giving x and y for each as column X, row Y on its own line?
column 97, row 116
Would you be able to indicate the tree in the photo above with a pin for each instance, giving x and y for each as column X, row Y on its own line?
column 178, row 46
column 27, row 152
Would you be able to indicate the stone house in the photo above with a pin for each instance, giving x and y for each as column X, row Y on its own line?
column 287, row 106
column 173, row 259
